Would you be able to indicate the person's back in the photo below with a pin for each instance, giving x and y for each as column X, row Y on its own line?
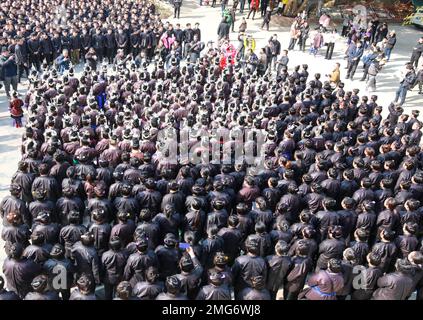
column 393, row 286
column 248, row 266
column 19, row 272
column 145, row 290
column 326, row 284
column 212, row 292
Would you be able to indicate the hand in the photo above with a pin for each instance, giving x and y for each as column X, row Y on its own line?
column 190, row 251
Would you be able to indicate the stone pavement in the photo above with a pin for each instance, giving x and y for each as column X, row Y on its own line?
column 209, row 19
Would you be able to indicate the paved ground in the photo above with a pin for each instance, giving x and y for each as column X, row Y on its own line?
column 209, row 19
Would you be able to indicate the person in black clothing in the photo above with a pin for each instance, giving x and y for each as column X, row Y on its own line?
column 57, row 45
column 98, row 43
column 34, row 50
column 75, row 47
column 46, row 49
column 21, row 53
column 85, row 43
column 122, row 40
column 110, row 45
column 134, row 41
column 66, row 40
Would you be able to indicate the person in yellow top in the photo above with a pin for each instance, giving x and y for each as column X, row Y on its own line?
column 335, row 76
column 249, row 43
column 281, row 7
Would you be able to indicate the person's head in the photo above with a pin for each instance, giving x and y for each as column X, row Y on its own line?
column 349, row 255
column 302, row 248
column 124, row 290
column 281, row 248
column 15, row 251
column 387, row 235
column 85, row 284
column 410, row 228
column 308, row 232
column 260, row 227
column 361, row 235
column 415, row 257
column 334, row 265
column 220, row 260
column 374, row 259
column 252, row 245
column 115, row 243
column 173, row 285
column 404, row 266
column 57, row 252
column 39, row 283
column 170, row 240
column 151, row 274
column 87, row 239
column 186, row 264
column 37, row 238
column 335, row 232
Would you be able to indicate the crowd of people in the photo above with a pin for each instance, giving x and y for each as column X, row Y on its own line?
column 101, row 202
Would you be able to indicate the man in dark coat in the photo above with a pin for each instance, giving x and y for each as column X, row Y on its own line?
column 139, row 262
column 113, row 262
column 397, row 285
column 86, row 258
column 19, row 271
column 173, row 290
column 215, row 290
column 248, row 266
column 278, row 266
column 55, row 265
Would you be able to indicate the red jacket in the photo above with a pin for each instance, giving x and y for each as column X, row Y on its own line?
column 16, row 108
column 255, row 4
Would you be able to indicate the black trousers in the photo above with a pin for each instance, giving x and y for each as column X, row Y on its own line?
column 34, row 59
column 177, row 12
column 135, row 51
column 110, row 52
column 415, row 60
column 292, row 43
column 302, row 43
column 329, row 51
column 365, row 71
column 21, row 69
column 253, row 11
column 352, row 68
column 109, row 291
column 265, row 23
column 263, row 10
column 100, row 54
column 241, row 6
column 48, row 57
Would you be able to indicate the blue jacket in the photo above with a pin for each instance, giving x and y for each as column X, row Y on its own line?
column 8, row 68
column 62, row 64
column 356, row 53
